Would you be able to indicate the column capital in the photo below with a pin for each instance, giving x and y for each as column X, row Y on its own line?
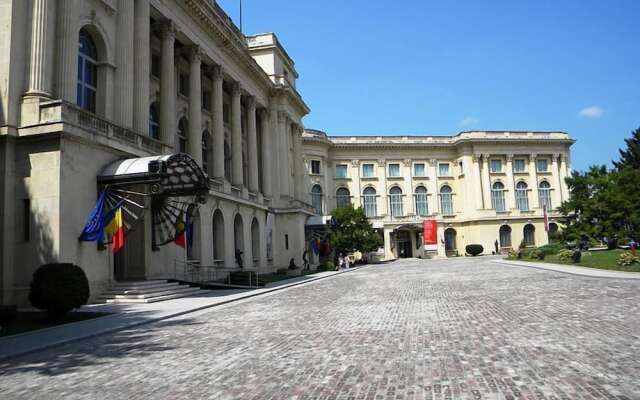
column 251, row 102
column 236, row 89
column 282, row 117
column 485, row 157
column 475, row 158
column 216, row 71
column 263, row 112
column 355, row 163
column 433, row 162
column 168, row 29
column 555, row 157
column 382, row 163
column 509, row 157
column 407, row 162
column 195, row 54
column 533, row 156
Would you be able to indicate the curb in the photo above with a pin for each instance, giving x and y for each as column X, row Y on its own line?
column 586, row 274
column 4, row 357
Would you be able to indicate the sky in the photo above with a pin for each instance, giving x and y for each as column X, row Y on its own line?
column 419, row 67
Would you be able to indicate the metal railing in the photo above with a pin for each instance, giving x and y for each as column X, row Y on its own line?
column 194, row 272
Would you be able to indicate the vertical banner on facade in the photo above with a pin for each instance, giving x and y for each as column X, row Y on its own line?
column 268, row 231
column 430, row 232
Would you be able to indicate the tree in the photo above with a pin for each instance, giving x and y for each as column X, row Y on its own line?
column 631, row 156
column 353, row 231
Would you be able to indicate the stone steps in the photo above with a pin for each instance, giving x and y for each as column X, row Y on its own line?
column 147, row 292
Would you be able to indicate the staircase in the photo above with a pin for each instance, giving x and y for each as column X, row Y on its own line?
column 147, row 292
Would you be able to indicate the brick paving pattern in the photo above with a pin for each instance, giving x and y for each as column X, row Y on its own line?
column 462, row 329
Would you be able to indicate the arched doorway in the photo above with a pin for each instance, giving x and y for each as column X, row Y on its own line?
column 505, row 237
column 450, row 245
column 553, row 231
column 218, row 237
column 238, row 240
column 529, row 232
column 255, row 242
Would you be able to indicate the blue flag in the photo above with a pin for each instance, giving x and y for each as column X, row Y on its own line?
column 94, row 229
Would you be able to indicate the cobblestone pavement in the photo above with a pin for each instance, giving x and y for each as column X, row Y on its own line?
column 462, row 329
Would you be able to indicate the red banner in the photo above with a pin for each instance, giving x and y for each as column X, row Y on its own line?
column 430, row 231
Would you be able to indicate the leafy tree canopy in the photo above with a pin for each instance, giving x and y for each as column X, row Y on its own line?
column 630, row 158
column 353, row 231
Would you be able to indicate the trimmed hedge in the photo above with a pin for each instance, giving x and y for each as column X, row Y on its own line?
column 59, row 288
column 327, row 266
column 474, row 249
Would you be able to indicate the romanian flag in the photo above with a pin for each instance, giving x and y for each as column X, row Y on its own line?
column 181, row 239
column 115, row 228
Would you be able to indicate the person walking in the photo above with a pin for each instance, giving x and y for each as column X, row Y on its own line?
column 347, row 262
column 340, row 262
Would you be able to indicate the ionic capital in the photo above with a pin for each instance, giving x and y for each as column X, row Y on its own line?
column 382, row 163
column 251, row 103
column 236, row 89
column 168, row 30
column 216, row 72
column 195, row 54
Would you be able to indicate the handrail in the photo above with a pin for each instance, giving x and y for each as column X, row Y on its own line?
column 192, row 271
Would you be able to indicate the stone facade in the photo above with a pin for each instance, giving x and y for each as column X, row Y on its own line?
column 95, row 81
column 481, row 187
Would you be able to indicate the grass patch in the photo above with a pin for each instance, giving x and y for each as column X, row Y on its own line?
column 605, row 259
column 33, row 320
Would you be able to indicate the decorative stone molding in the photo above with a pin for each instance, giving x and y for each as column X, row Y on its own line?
column 382, row 163
column 236, row 89
column 251, row 102
column 433, row 162
column 355, row 163
column 282, row 117
column 168, row 29
column 407, row 162
column 195, row 54
column 475, row 158
column 216, row 71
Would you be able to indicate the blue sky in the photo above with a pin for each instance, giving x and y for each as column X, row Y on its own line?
column 436, row 67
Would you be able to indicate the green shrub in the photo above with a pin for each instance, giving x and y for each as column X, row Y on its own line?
column 513, row 255
column 565, row 255
column 626, row 259
column 281, row 271
column 59, row 288
column 537, row 254
column 327, row 266
column 474, row 249
column 552, row 248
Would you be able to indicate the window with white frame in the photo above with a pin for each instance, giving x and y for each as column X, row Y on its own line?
column 341, row 170
column 368, row 171
column 419, row 170
column 343, row 198
column 497, row 197
column 315, row 167
column 495, row 166
column 394, row 170
column 420, row 201
column 444, row 170
column 395, row 201
column 369, row 199
column 542, row 165
column 446, row 200
column 522, row 196
column 316, row 198
column 519, row 165
column 544, row 194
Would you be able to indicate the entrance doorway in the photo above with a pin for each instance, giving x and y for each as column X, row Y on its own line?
column 450, row 246
column 129, row 263
column 404, row 245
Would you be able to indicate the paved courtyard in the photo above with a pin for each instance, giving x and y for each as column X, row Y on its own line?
column 462, row 329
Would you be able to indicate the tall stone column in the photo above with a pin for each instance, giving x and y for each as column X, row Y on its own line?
column 299, row 170
column 217, row 110
column 267, row 152
column 42, row 46
column 283, row 151
column 563, row 175
column 252, row 145
column 195, row 105
column 123, row 106
column 486, row 182
column 274, row 141
column 477, row 181
column 533, row 182
column 141, row 65
column 167, row 85
column 67, row 37
column 511, row 193
column 236, row 134
column 555, row 174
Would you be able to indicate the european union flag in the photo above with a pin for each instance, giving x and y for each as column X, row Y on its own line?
column 94, row 229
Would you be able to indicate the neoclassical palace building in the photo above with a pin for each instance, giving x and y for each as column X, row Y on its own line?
column 485, row 188
column 167, row 107
column 165, row 110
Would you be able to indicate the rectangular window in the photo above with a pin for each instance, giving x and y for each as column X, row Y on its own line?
column 370, row 204
column 542, row 165
column 315, row 167
column 519, row 165
column 155, row 65
column 496, row 166
column 368, row 171
column 394, row 170
column 395, row 200
column 183, row 85
column 286, row 242
column 26, row 214
column 341, row 171
column 443, row 169
column 418, row 170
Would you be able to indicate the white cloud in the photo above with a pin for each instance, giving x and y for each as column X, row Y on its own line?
column 591, row 112
column 468, row 121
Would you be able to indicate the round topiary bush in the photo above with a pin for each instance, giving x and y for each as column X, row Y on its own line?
column 474, row 249
column 59, row 288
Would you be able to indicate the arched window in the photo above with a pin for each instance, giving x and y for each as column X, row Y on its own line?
column 505, row 236
column 182, row 135
column 395, row 201
column 154, row 121
column 544, row 193
column 522, row 196
column 87, row 73
column 227, row 161
column 316, row 198
column 205, row 151
column 446, row 200
column 529, row 235
column 420, row 200
column 343, row 198
column 369, row 198
column 497, row 197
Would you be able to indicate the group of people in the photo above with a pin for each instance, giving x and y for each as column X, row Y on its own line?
column 344, row 262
